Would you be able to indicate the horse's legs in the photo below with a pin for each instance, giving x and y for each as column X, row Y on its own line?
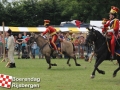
column 68, row 61
column 74, row 57
column 48, row 61
column 99, row 71
column 98, row 62
column 115, row 72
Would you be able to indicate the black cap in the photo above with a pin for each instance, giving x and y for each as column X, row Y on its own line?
column 9, row 31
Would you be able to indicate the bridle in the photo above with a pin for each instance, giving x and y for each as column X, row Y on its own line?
column 35, row 39
column 95, row 41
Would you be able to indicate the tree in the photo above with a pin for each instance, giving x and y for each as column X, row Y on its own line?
column 33, row 12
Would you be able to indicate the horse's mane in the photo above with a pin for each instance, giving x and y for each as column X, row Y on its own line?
column 99, row 34
column 41, row 37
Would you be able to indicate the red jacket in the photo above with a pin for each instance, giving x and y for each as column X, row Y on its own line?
column 112, row 24
column 51, row 30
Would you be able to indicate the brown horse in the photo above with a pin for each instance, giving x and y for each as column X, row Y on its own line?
column 46, row 50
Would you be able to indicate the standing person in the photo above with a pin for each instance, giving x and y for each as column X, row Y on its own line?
column 68, row 36
column 6, row 47
column 82, row 42
column 10, row 45
column 1, row 44
column 113, row 23
column 76, row 43
column 52, row 31
column 34, row 47
column 16, row 45
column 19, row 42
column 24, row 45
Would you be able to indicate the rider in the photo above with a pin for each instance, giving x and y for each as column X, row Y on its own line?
column 113, row 25
column 52, row 31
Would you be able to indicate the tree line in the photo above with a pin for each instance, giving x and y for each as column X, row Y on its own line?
column 33, row 12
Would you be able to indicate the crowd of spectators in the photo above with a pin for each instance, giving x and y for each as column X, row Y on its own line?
column 24, row 50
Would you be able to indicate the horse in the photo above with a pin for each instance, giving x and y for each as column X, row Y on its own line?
column 101, row 50
column 47, row 51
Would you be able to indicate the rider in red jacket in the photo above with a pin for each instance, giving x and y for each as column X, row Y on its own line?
column 113, row 25
column 52, row 31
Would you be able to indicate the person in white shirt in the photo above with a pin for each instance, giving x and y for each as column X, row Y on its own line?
column 10, row 45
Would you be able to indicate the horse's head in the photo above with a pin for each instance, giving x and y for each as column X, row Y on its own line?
column 32, row 38
column 91, row 37
column 37, row 38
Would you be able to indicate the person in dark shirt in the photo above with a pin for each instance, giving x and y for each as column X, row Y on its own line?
column 19, row 42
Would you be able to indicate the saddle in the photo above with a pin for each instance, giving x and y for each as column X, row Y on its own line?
column 58, row 44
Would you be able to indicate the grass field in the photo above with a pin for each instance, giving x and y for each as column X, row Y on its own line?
column 63, row 77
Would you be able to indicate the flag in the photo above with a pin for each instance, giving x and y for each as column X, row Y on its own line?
column 78, row 23
column 5, row 81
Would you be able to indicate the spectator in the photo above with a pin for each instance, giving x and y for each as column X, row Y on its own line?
column 76, row 43
column 19, row 42
column 33, row 47
column 1, row 45
column 82, row 41
column 23, row 43
column 6, row 47
column 73, row 38
column 16, row 46
column 68, row 36
column 60, row 37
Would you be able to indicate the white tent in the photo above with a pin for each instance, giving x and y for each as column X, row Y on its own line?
column 63, row 29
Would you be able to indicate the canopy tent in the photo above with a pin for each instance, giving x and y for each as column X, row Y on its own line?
column 98, row 24
column 42, row 29
column 62, row 29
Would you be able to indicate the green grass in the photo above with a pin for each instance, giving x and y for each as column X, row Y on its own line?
column 63, row 77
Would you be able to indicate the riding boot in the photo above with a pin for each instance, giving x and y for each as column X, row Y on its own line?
column 112, row 57
column 56, row 51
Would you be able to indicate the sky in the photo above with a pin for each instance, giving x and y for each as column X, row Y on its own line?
column 10, row 0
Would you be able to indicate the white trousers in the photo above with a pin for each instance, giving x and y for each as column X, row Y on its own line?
column 11, row 56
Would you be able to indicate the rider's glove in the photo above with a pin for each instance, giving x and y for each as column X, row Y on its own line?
column 41, row 34
column 101, row 26
column 111, row 30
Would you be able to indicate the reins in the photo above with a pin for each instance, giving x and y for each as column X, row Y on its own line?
column 99, row 47
column 43, row 45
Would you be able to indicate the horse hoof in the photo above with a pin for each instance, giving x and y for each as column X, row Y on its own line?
column 55, row 64
column 92, row 76
column 49, row 67
column 114, row 75
column 69, row 65
column 103, row 72
column 78, row 65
